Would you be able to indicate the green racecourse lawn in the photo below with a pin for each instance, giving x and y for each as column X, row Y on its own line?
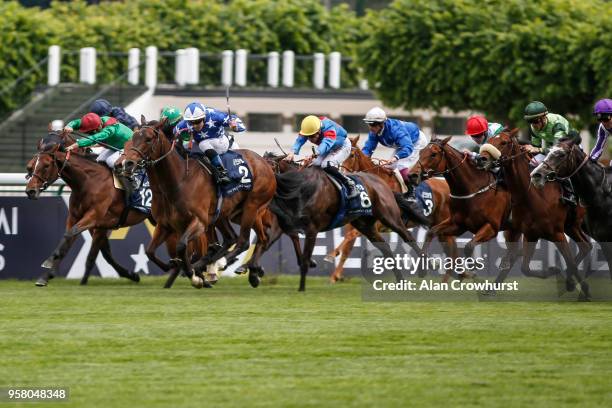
column 118, row 344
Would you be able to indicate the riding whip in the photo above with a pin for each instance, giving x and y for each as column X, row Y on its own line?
column 280, row 147
column 83, row 135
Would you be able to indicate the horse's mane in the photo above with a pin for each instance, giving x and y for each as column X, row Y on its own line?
column 59, row 139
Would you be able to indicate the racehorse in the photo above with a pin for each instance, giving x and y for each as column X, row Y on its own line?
column 94, row 204
column 307, row 201
column 590, row 181
column 538, row 213
column 193, row 192
column 358, row 161
column 477, row 203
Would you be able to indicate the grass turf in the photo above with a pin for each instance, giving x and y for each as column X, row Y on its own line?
column 118, row 344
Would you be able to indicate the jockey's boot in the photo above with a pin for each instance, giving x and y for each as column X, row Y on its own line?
column 128, row 189
column 410, row 194
column 219, row 172
column 351, row 188
column 567, row 193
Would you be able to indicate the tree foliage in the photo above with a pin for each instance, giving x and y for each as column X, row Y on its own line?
column 489, row 55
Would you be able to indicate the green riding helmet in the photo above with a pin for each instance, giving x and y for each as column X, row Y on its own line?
column 172, row 114
column 534, row 110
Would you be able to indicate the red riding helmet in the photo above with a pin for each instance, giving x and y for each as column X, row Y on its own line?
column 90, row 122
column 476, row 125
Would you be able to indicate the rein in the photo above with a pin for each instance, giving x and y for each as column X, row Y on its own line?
column 59, row 169
column 430, row 173
column 147, row 161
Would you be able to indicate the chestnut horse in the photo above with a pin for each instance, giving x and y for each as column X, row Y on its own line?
column 538, row 213
column 590, row 181
column 307, row 201
column 358, row 161
column 95, row 204
column 193, row 193
column 477, row 203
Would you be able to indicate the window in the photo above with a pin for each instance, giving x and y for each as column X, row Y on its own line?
column 300, row 116
column 265, row 122
column 449, row 125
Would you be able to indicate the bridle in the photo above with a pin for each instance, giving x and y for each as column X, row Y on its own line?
column 45, row 182
column 428, row 173
column 146, row 161
column 553, row 175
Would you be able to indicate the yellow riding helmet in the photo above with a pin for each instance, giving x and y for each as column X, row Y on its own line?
column 310, row 125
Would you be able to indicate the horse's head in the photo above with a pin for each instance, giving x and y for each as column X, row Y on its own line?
column 432, row 159
column 43, row 170
column 559, row 161
column 148, row 145
column 504, row 146
column 279, row 164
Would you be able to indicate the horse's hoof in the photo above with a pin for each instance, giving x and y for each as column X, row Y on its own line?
column 570, row 285
column 48, row 264
column 312, row 264
column 197, row 282
column 329, row 258
column 83, row 282
column 134, row 277
column 254, row 280
column 241, row 270
column 212, row 278
column 41, row 282
column 552, row 271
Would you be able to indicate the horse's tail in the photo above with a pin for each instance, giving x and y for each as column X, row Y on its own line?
column 289, row 200
column 411, row 211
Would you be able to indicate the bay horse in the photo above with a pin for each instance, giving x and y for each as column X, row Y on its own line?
column 538, row 213
column 358, row 161
column 94, row 205
column 477, row 203
column 307, row 201
column 193, row 193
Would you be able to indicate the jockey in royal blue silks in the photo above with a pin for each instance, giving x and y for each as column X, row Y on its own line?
column 102, row 107
column 334, row 147
column 405, row 137
column 207, row 127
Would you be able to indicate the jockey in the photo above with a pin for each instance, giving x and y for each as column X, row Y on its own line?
column 102, row 107
column 334, row 147
column 207, row 127
column 603, row 113
column 405, row 137
column 545, row 130
column 105, row 130
column 173, row 116
column 480, row 130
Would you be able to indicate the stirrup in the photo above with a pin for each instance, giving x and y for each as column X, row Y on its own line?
column 352, row 191
column 222, row 176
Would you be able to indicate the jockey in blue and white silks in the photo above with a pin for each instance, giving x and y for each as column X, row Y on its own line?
column 405, row 137
column 207, row 128
column 333, row 147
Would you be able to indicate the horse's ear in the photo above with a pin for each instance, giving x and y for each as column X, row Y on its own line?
column 143, row 121
column 354, row 140
column 161, row 123
column 446, row 140
column 514, row 132
column 49, row 127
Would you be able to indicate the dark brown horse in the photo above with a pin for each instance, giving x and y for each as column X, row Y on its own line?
column 192, row 191
column 591, row 184
column 477, row 204
column 307, row 201
column 95, row 204
column 538, row 213
column 358, row 161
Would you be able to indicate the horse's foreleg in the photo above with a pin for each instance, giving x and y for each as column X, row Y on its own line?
column 345, row 250
column 309, row 244
column 97, row 236
column 572, row 269
column 193, row 230
column 73, row 229
column 160, row 234
column 584, row 246
column 171, row 243
column 367, row 227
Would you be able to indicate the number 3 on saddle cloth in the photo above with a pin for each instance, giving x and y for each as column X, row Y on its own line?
column 425, row 198
column 358, row 206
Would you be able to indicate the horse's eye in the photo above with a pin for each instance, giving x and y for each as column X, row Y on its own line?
column 433, row 155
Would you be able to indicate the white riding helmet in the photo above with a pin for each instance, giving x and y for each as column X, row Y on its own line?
column 194, row 111
column 57, row 125
column 375, row 115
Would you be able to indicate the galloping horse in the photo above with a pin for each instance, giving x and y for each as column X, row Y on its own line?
column 538, row 213
column 307, row 201
column 193, row 193
column 590, row 181
column 94, row 205
column 358, row 161
column 477, row 204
